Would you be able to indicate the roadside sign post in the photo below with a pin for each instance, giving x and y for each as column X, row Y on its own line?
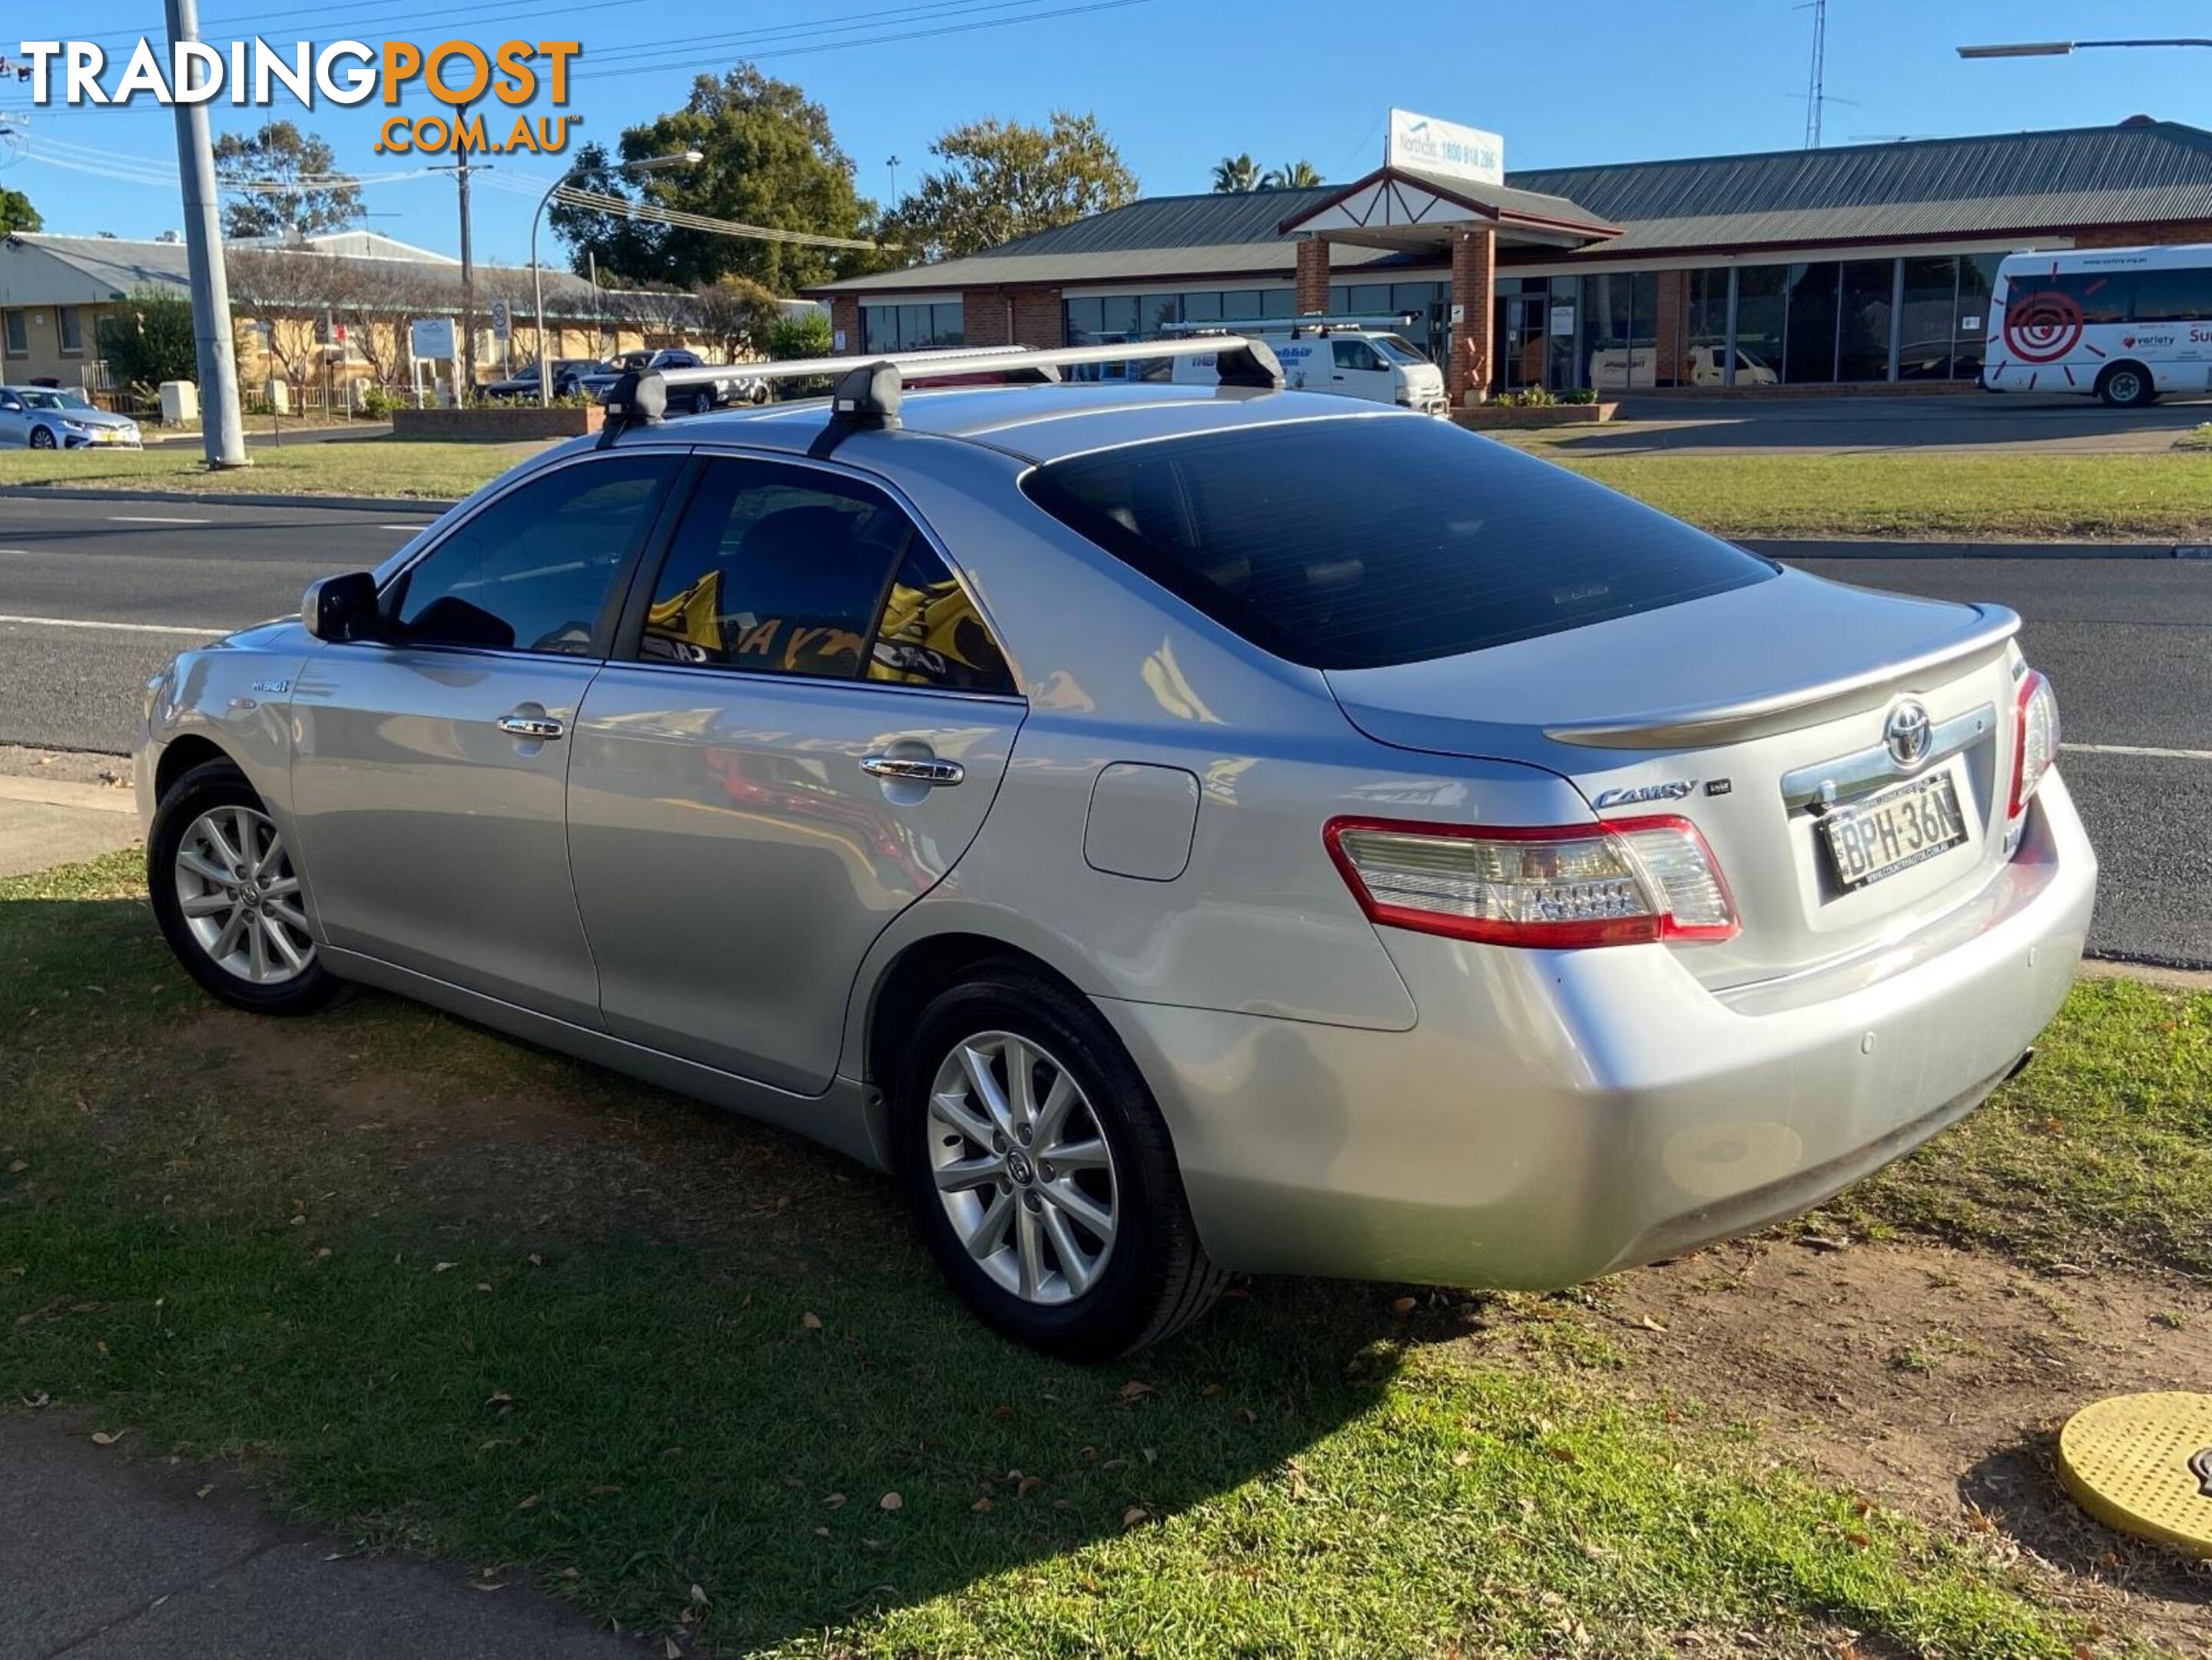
column 431, row 338
column 502, row 330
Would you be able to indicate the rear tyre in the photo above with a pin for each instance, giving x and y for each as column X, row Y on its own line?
column 2126, row 386
column 227, row 897
column 702, row 403
column 42, row 437
column 1041, row 1172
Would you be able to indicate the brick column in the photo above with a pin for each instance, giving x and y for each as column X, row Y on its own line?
column 986, row 316
column 845, row 314
column 1313, row 278
column 1474, row 269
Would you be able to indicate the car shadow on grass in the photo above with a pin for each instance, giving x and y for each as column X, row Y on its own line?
column 456, row 1295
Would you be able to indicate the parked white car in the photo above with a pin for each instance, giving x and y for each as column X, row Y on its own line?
column 47, row 418
column 1349, row 359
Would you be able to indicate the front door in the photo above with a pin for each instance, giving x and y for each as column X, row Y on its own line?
column 430, row 765
column 1358, row 370
column 1520, row 322
column 804, row 735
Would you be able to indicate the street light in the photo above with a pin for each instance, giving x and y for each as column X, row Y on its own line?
column 2066, row 48
column 689, row 158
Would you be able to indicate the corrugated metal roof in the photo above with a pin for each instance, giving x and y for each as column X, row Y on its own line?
column 2151, row 171
column 2141, row 173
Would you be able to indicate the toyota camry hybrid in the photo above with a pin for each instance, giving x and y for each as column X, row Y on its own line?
column 1171, row 829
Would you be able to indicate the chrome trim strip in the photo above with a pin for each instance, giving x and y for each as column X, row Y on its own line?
column 1677, row 728
column 1848, row 774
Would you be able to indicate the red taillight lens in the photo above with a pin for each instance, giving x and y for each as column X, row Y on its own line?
column 1614, row 884
column 2035, row 740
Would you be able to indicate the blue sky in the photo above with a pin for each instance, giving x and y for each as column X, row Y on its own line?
column 1177, row 83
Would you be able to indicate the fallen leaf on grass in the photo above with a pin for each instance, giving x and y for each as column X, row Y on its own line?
column 1649, row 1324
column 1028, row 1484
column 17, row 1166
column 531, row 1502
column 107, row 1437
column 832, row 1501
column 810, row 1321
column 1134, row 1389
column 440, row 1267
column 890, row 1501
column 1135, row 1517
column 980, row 1505
column 205, row 1491
column 1403, row 1306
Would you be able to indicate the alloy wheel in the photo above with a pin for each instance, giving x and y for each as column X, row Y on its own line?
column 1023, row 1168
column 240, row 897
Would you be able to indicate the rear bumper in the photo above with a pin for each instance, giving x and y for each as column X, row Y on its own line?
column 1555, row 1115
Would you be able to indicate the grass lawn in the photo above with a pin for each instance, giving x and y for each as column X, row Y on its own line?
column 352, row 466
column 453, row 1295
column 2012, row 496
column 2099, row 1155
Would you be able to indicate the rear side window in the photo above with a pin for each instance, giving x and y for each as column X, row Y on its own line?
column 1358, row 543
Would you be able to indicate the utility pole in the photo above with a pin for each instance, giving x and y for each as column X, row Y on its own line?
column 464, row 364
column 893, row 164
column 1816, row 88
column 222, row 431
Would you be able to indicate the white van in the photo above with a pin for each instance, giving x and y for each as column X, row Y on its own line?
column 1618, row 368
column 1353, row 356
column 2125, row 324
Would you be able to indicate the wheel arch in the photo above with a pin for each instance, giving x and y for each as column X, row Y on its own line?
column 2106, row 373
column 184, row 752
column 902, row 988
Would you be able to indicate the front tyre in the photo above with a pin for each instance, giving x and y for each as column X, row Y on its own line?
column 42, row 437
column 227, row 895
column 1040, row 1173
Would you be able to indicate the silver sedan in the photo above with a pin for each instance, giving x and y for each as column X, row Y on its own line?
column 1171, row 829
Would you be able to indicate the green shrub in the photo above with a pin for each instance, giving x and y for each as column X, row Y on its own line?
column 1579, row 395
column 149, row 339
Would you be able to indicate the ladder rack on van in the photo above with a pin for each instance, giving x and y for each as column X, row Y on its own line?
column 870, row 386
column 1293, row 327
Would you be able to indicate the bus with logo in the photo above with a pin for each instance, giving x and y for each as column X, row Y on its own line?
column 2125, row 325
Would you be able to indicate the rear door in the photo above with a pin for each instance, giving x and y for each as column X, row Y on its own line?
column 805, row 726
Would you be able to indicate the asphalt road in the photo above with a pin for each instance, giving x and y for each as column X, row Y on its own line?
column 2127, row 643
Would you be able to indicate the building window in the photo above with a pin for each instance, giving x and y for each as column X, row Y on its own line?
column 19, row 335
column 1925, row 350
column 1977, row 275
column 1863, row 325
column 72, row 322
column 912, row 328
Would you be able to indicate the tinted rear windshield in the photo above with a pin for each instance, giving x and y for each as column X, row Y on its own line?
column 1358, row 543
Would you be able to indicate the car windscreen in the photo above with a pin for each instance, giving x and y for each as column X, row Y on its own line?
column 1362, row 541
column 1392, row 345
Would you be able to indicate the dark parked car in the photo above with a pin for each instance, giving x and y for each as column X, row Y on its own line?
column 568, row 375
column 688, row 400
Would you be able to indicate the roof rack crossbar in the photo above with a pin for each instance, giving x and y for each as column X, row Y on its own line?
column 869, row 388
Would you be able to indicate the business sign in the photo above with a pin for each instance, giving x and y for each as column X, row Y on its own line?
column 502, row 324
column 431, row 338
column 1428, row 145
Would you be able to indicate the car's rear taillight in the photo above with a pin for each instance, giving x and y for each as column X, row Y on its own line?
column 1612, row 883
column 2035, row 740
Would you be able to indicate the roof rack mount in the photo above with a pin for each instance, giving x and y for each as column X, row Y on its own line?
column 870, row 388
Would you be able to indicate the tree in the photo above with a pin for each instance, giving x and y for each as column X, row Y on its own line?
column 736, row 316
column 1235, row 174
column 149, row 339
column 802, row 334
column 289, row 289
column 768, row 159
column 292, row 184
column 1295, row 175
column 1006, row 179
column 16, row 213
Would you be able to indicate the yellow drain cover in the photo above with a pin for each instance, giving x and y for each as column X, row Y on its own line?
column 2142, row 1464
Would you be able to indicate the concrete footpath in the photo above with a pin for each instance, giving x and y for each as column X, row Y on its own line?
column 103, row 1556
column 61, row 809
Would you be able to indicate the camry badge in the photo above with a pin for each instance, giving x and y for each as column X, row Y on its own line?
column 1907, row 734
column 1673, row 789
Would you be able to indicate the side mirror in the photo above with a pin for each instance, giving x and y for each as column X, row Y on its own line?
column 338, row 608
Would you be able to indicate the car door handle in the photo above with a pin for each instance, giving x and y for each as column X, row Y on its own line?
column 530, row 726
column 913, row 769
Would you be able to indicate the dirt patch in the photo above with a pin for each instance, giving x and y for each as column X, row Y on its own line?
column 507, row 1141
column 1934, row 1381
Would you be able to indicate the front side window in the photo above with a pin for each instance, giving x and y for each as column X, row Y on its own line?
column 533, row 571
column 72, row 329
column 1278, row 533
column 1354, row 354
column 789, row 570
column 19, row 335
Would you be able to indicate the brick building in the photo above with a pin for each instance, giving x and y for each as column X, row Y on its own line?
column 1865, row 264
